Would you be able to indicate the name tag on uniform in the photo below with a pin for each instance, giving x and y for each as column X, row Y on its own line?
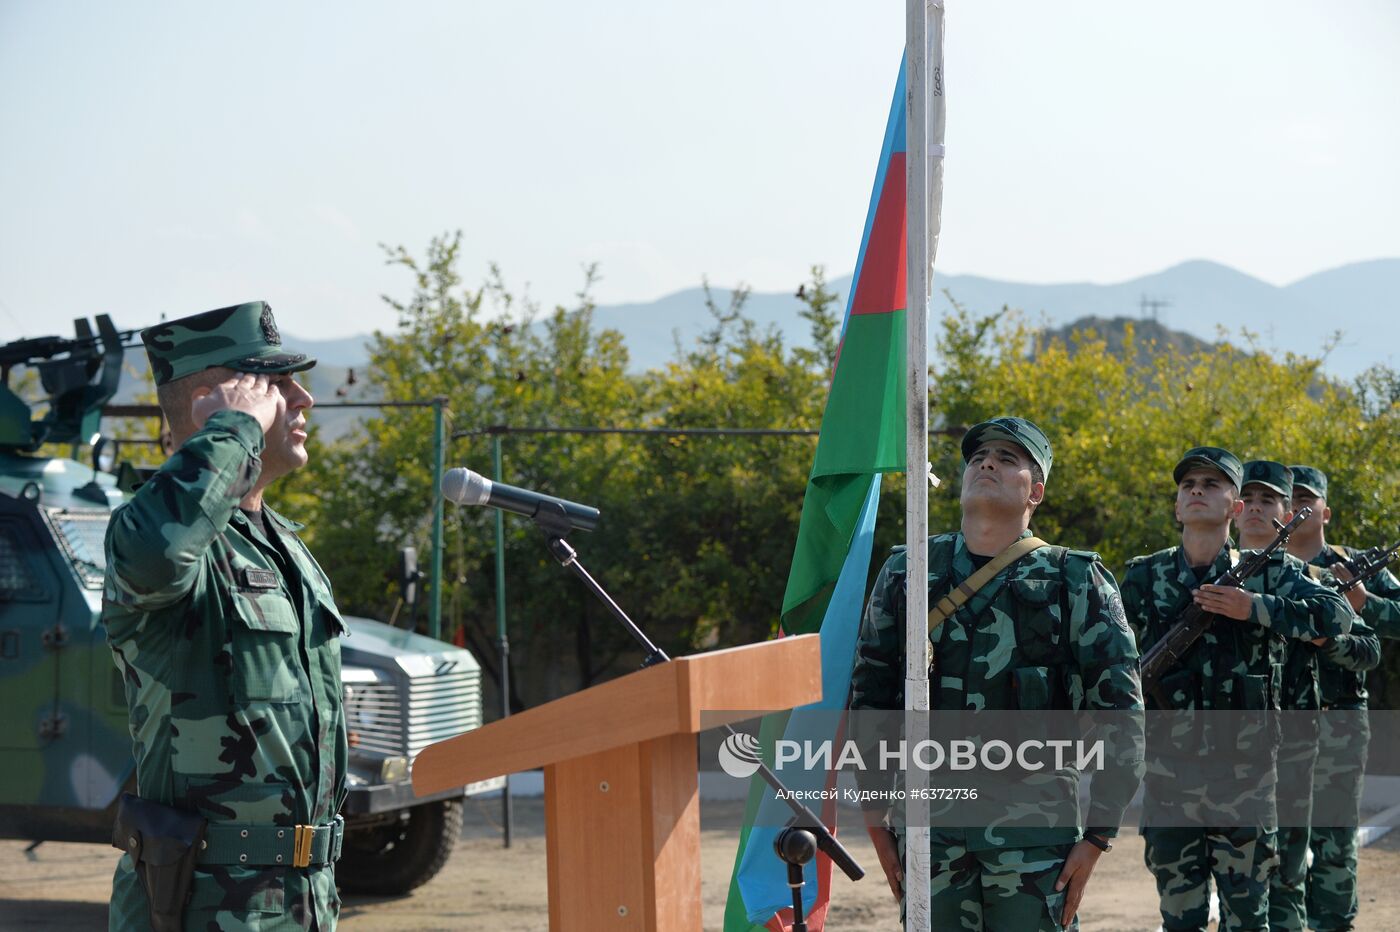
column 259, row 579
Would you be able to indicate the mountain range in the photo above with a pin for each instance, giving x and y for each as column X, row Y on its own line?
column 1199, row 298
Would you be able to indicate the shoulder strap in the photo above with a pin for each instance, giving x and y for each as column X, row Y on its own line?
column 1316, row 571
column 969, row 587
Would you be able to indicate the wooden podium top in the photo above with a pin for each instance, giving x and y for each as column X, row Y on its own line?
column 665, row 699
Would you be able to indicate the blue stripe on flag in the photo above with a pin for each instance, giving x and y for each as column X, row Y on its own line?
column 762, row 878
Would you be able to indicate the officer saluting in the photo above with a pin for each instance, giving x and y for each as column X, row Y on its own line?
column 225, row 631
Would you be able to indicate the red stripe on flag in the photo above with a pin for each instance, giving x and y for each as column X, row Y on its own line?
column 883, row 274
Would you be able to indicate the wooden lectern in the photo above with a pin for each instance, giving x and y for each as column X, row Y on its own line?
column 622, row 812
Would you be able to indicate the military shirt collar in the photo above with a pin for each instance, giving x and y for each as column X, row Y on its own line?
column 1328, row 556
column 1186, row 575
column 284, row 524
column 963, row 567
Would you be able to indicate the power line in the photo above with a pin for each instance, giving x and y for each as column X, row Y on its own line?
column 502, row 429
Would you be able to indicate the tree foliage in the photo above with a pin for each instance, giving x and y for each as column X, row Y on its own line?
column 1119, row 422
column 697, row 530
column 695, row 536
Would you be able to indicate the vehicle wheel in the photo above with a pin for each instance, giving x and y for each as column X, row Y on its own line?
column 401, row 851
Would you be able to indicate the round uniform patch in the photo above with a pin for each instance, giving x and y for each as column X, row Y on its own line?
column 1115, row 610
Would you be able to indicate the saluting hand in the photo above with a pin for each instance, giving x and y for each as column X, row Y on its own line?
column 246, row 392
column 1225, row 600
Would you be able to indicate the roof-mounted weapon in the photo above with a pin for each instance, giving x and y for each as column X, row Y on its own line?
column 80, row 374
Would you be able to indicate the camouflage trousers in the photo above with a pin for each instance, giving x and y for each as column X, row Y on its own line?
column 1183, row 860
column 230, row 899
column 1288, row 911
column 997, row 889
column 1332, row 899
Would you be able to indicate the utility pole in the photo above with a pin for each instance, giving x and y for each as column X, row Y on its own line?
column 1151, row 308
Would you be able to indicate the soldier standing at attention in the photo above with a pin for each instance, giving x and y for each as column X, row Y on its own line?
column 1268, row 497
column 1342, row 664
column 226, row 634
column 1045, row 631
column 1235, row 665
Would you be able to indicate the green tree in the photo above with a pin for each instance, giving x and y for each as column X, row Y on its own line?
column 1119, row 421
column 697, row 531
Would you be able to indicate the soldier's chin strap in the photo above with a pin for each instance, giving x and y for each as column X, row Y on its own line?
column 957, row 597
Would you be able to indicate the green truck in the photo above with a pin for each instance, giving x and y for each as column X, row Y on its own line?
column 64, row 738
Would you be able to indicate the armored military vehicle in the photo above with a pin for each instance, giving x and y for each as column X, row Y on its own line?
column 63, row 735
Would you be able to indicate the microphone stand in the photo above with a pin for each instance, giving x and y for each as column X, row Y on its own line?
column 795, row 847
column 554, row 522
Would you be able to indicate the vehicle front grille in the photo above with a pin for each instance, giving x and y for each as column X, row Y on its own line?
column 407, row 716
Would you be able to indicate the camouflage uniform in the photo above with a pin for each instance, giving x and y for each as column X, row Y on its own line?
column 1297, row 760
column 1236, row 665
column 1046, row 633
column 1297, row 753
column 228, row 645
column 1332, row 900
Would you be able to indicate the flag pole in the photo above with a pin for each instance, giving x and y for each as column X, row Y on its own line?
column 924, row 190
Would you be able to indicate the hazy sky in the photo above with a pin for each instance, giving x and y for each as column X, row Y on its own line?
column 163, row 157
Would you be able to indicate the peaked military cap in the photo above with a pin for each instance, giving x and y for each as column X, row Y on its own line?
column 243, row 337
column 1215, row 458
column 1272, row 475
column 1314, row 480
column 1017, row 430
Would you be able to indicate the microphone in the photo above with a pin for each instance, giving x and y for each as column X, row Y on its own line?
column 468, row 488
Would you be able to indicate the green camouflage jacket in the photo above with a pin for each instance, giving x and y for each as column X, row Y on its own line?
column 1047, row 633
column 1344, row 661
column 1302, row 685
column 232, row 672
column 1235, row 664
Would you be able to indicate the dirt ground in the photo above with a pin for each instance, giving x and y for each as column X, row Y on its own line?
column 487, row 887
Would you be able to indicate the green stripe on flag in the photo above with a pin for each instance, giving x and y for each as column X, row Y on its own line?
column 863, row 432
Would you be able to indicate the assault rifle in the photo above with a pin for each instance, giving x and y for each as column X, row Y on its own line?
column 1194, row 620
column 1362, row 566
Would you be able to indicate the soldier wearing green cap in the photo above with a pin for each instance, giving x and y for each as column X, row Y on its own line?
column 1044, row 632
column 226, row 634
column 1235, row 666
column 1268, row 498
column 1331, row 893
column 1377, row 601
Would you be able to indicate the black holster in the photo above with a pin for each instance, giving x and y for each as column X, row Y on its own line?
column 164, row 844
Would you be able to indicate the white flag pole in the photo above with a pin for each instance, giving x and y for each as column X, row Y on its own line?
column 924, row 190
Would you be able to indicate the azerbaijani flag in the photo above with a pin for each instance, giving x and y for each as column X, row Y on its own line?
column 862, row 436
